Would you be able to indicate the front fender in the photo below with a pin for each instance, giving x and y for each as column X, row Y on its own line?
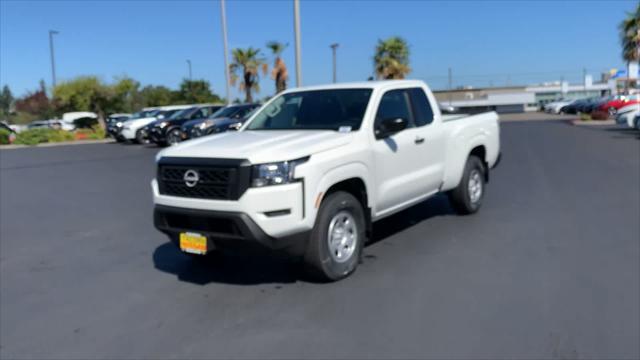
column 316, row 190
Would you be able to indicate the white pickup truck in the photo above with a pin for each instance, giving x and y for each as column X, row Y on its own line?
column 313, row 168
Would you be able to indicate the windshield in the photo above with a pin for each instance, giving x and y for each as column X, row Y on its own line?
column 224, row 112
column 179, row 114
column 313, row 110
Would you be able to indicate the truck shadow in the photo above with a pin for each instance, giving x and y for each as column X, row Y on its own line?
column 236, row 269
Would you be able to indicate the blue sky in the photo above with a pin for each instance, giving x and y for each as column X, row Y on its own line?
column 484, row 42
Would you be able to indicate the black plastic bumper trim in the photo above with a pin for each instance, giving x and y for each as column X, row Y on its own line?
column 249, row 234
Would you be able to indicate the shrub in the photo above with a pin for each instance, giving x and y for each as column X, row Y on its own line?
column 42, row 135
column 4, row 137
column 95, row 133
column 599, row 115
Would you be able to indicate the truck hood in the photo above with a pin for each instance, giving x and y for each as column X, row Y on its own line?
column 260, row 146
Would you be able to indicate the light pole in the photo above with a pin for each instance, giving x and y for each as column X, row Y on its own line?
column 53, row 64
column 333, row 47
column 189, row 63
column 296, row 28
column 225, row 45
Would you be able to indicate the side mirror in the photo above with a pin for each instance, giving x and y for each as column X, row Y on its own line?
column 160, row 117
column 391, row 126
column 235, row 127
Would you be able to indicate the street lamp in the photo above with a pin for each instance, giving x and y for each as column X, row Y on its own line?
column 189, row 63
column 333, row 47
column 224, row 42
column 296, row 28
column 53, row 64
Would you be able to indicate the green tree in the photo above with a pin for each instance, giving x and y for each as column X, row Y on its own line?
column 279, row 73
column 391, row 59
column 156, row 95
column 246, row 65
column 127, row 96
column 85, row 93
column 630, row 37
column 196, row 92
column 6, row 100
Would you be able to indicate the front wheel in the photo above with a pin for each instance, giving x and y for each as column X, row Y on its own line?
column 141, row 137
column 337, row 238
column 174, row 136
column 467, row 197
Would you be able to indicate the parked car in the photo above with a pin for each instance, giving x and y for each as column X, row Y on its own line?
column 572, row 108
column 635, row 122
column 314, row 167
column 168, row 130
column 626, row 114
column 130, row 130
column 232, row 116
column 555, row 107
column 614, row 104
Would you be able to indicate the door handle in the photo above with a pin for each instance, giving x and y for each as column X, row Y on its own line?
column 419, row 140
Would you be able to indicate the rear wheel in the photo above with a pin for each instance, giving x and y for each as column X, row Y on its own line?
column 336, row 241
column 467, row 197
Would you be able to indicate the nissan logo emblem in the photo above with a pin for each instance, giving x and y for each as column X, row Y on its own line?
column 191, row 178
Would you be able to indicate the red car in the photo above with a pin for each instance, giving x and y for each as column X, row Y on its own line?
column 617, row 102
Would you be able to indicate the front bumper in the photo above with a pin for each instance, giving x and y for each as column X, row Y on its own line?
column 277, row 210
column 226, row 230
column 157, row 135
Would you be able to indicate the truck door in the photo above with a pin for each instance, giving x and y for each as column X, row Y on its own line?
column 432, row 140
column 399, row 163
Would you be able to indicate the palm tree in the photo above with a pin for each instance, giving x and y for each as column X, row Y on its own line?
column 630, row 38
column 279, row 73
column 247, row 62
column 391, row 60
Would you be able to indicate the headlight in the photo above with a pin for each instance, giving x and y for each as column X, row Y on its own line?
column 163, row 124
column 207, row 123
column 275, row 173
column 119, row 124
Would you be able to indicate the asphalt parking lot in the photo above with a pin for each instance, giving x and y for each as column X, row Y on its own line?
column 549, row 268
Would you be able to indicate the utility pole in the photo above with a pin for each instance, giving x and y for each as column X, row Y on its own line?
column 584, row 79
column 189, row 63
column 333, row 48
column 296, row 28
column 225, row 45
column 450, row 86
column 53, row 63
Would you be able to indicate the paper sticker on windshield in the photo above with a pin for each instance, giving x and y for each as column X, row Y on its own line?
column 344, row 129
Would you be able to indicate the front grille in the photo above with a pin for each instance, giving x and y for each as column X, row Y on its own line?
column 213, row 183
column 218, row 179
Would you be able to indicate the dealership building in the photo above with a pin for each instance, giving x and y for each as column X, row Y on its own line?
column 514, row 99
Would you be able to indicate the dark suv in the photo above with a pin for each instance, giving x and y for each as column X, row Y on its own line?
column 167, row 131
column 232, row 116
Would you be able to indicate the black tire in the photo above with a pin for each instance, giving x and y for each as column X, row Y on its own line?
column 174, row 136
column 141, row 138
column 319, row 262
column 461, row 198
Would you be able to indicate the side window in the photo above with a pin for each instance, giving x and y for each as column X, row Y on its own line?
column 394, row 104
column 421, row 108
column 198, row 114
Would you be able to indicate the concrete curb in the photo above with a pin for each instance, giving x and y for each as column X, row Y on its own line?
column 579, row 122
column 64, row 143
